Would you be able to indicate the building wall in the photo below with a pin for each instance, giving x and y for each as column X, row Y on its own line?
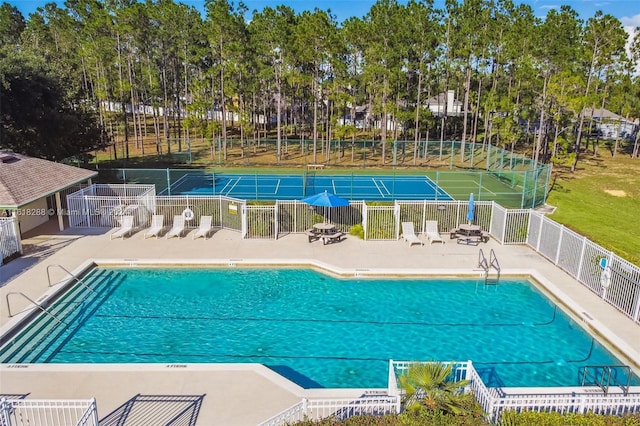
column 32, row 215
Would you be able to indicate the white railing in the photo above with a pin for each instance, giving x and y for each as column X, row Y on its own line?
column 23, row 412
column 9, row 240
column 102, row 205
column 261, row 222
column 336, row 408
column 295, row 413
column 494, row 402
column 341, row 409
column 225, row 212
column 581, row 259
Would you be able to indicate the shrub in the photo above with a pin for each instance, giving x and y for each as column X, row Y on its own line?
column 357, row 231
column 532, row 418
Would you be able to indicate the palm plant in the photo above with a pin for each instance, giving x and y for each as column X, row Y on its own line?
column 429, row 386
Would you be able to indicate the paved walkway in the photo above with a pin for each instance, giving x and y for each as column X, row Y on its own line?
column 229, row 390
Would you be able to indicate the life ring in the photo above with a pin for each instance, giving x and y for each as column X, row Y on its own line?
column 605, row 278
column 187, row 214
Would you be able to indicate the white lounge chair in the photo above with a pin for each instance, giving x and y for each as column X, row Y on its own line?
column 126, row 227
column 204, row 228
column 431, row 227
column 178, row 227
column 157, row 226
column 409, row 235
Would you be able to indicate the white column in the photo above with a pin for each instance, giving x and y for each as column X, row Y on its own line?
column 59, row 212
column 16, row 227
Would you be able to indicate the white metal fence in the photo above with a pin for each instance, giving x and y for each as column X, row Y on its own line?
column 9, row 241
column 226, row 212
column 30, row 412
column 102, row 205
column 338, row 409
column 494, row 402
column 619, row 285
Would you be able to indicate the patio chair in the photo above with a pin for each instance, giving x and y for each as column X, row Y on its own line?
column 178, row 227
column 205, row 227
column 432, row 231
column 409, row 235
column 157, row 226
column 126, row 227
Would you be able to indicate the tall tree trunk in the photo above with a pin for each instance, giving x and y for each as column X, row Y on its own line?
column 383, row 120
column 541, row 128
column 579, row 137
column 416, row 131
column 165, row 112
column 223, row 109
column 314, row 87
column 467, row 88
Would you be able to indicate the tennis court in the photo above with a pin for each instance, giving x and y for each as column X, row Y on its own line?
column 293, row 187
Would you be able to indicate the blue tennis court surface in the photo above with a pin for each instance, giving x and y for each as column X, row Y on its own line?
column 291, row 187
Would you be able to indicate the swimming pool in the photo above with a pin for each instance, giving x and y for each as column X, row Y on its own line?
column 317, row 330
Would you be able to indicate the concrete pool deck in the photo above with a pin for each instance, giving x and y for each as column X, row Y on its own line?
column 246, row 394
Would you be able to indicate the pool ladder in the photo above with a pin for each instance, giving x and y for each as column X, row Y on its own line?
column 78, row 280
column 36, row 304
column 604, row 376
column 487, row 265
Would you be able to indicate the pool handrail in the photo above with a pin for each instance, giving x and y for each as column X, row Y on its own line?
column 39, row 306
column 78, row 280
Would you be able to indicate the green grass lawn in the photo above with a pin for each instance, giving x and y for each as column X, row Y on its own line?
column 601, row 201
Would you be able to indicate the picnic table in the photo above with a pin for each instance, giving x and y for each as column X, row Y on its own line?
column 469, row 234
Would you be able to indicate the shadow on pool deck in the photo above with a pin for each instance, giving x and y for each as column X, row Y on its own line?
column 295, row 376
column 156, row 410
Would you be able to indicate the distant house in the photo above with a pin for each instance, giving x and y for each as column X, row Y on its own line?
column 361, row 115
column 611, row 125
column 364, row 117
column 445, row 102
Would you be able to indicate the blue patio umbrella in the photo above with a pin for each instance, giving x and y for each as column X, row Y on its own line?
column 470, row 209
column 325, row 199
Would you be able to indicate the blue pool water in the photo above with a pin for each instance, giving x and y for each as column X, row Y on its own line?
column 318, row 330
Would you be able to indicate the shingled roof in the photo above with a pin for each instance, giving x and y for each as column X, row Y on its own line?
column 25, row 179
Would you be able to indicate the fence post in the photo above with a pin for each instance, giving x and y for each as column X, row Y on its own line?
column 168, row 181
column 392, row 386
column 86, row 210
column 452, row 155
column 555, row 262
column 243, row 231
column 636, row 311
column 396, row 218
column 524, row 190
column 275, row 219
column 581, row 261
column 94, row 412
column 539, row 233
column 364, row 219
column 504, row 226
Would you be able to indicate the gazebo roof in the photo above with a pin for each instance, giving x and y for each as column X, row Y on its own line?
column 25, row 179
